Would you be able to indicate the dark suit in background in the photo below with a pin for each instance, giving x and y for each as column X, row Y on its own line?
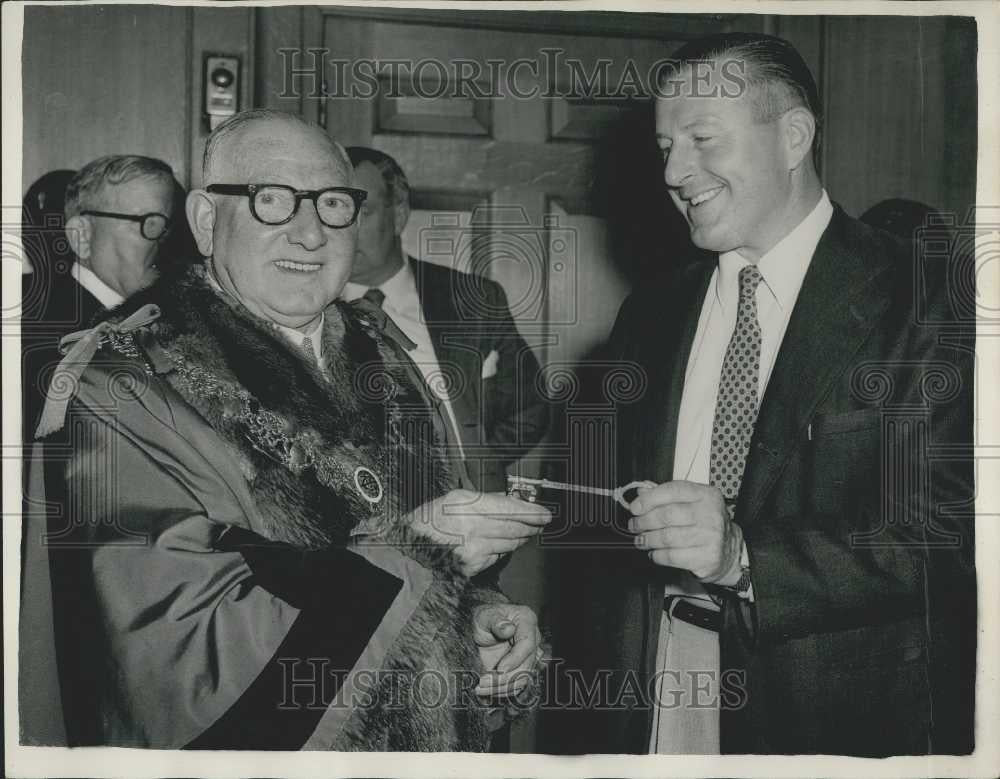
column 488, row 370
column 500, row 412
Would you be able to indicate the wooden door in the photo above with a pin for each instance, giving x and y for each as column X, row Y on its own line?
column 553, row 159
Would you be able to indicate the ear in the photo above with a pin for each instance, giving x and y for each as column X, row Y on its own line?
column 200, row 209
column 401, row 213
column 799, row 127
column 78, row 233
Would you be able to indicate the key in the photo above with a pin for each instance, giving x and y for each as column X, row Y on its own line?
column 527, row 488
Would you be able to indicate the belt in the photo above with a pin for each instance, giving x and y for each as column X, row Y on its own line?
column 679, row 608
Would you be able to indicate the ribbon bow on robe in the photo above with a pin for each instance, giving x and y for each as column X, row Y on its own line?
column 79, row 349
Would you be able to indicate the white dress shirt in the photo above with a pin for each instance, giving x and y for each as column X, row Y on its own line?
column 783, row 269
column 402, row 303
column 90, row 282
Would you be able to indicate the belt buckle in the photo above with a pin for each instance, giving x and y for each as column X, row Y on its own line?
column 696, row 615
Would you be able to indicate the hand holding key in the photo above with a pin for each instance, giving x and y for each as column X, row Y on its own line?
column 682, row 524
column 480, row 526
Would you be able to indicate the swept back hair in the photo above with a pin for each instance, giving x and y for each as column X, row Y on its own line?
column 775, row 73
column 86, row 189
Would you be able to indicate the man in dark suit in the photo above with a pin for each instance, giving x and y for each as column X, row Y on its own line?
column 798, row 575
column 117, row 210
column 467, row 345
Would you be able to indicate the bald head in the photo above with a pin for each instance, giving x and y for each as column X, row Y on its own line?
column 233, row 144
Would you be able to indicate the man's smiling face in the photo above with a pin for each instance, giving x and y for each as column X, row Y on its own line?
column 285, row 273
column 727, row 173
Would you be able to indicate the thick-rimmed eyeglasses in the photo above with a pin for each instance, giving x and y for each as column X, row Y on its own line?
column 276, row 204
column 153, row 226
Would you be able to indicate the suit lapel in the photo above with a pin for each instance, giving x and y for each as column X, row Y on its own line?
column 666, row 364
column 666, row 335
column 90, row 306
column 73, row 306
column 441, row 315
column 836, row 309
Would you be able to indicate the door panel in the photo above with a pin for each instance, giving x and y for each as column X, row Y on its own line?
column 538, row 163
column 535, row 167
column 524, row 154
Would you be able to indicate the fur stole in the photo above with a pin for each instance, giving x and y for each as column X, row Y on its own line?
column 317, row 444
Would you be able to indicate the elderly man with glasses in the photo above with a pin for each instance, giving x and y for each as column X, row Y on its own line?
column 255, row 547
column 118, row 211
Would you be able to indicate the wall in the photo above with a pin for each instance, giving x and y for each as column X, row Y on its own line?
column 900, row 106
column 122, row 79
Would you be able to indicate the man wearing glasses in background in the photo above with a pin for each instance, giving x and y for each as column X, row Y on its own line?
column 255, row 547
column 118, row 210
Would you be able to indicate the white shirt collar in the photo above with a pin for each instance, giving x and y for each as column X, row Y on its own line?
column 400, row 283
column 784, row 267
column 89, row 280
column 297, row 338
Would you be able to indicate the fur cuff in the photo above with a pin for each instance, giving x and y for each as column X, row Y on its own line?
column 437, row 557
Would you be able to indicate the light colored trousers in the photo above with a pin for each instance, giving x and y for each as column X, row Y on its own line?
column 686, row 708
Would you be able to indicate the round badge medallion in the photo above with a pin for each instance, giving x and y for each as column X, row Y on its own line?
column 368, row 484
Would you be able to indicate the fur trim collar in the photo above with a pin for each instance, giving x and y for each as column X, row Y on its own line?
column 321, row 446
column 313, row 442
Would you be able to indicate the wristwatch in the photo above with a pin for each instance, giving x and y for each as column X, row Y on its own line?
column 743, row 585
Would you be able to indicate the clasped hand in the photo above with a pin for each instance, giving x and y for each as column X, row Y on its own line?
column 686, row 525
column 509, row 646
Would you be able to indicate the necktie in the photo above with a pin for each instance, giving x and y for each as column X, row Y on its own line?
column 370, row 304
column 736, row 407
column 307, row 347
column 376, row 296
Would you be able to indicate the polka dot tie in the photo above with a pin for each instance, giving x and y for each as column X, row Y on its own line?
column 736, row 407
column 307, row 347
